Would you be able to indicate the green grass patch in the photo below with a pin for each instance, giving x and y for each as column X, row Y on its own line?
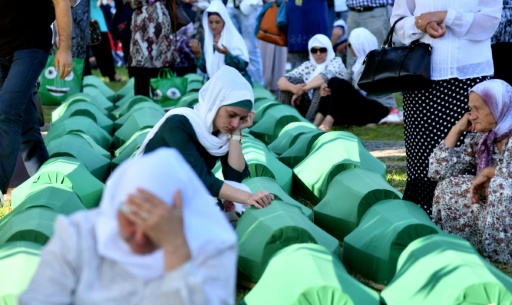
column 376, row 133
column 5, row 209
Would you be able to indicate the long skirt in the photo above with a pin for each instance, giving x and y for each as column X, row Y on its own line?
column 487, row 225
column 428, row 117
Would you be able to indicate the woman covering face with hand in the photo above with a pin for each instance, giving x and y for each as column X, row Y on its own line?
column 223, row 44
column 152, row 240
column 212, row 131
column 478, row 207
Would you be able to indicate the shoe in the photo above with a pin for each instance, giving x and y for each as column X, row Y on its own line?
column 392, row 118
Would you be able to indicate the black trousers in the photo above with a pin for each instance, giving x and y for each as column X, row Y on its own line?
column 502, row 64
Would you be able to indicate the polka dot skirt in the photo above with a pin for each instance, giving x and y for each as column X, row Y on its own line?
column 428, row 117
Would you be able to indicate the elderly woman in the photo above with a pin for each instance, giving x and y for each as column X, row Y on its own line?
column 344, row 103
column 478, row 207
column 223, row 45
column 213, row 131
column 153, row 240
column 301, row 86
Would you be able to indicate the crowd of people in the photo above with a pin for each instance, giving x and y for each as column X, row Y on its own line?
column 456, row 131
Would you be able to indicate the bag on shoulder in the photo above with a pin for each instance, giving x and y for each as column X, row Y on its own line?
column 395, row 69
column 268, row 30
column 179, row 17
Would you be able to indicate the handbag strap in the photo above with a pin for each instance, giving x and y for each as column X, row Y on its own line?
column 388, row 42
column 165, row 73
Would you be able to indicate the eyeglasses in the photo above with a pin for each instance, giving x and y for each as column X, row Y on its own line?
column 316, row 50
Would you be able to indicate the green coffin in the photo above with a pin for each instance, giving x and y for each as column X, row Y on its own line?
column 260, row 92
column 134, row 124
column 331, row 154
column 262, row 102
column 82, row 108
column 268, row 128
column 257, row 184
column 94, row 97
column 18, row 261
column 300, row 148
column 289, row 135
column 129, row 147
column 446, row 269
column 188, row 100
column 54, row 196
column 387, row 228
column 263, row 232
column 194, row 86
column 34, row 224
column 142, row 109
column 349, row 196
column 127, row 90
column 260, row 113
column 194, row 77
column 79, row 124
column 73, row 145
column 68, row 172
column 307, row 274
column 125, row 107
column 91, row 81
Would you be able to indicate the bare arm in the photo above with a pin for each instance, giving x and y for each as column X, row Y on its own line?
column 63, row 58
column 286, row 85
column 316, row 82
column 463, row 125
column 260, row 199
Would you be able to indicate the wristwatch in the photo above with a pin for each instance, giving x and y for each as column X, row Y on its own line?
column 236, row 138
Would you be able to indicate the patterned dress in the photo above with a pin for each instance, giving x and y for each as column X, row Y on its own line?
column 487, row 224
column 152, row 39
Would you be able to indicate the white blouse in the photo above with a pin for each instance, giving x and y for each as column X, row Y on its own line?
column 71, row 272
column 465, row 50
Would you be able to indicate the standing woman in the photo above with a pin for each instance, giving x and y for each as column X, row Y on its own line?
column 151, row 44
column 212, row 131
column 459, row 32
column 223, row 45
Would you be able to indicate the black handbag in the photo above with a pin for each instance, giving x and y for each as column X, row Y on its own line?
column 179, row 17
column 395, row 69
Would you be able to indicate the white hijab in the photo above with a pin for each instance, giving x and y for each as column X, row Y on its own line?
column 362, row 42
column 230, row 37
column 319, row 40
column 161, row 172
column 226, row 87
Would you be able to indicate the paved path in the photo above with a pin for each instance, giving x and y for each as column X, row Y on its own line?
column 386, row 149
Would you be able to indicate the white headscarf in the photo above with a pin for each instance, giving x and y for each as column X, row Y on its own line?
column 230, row 37
column 362, row 42
column 319, row 40
column 226, row 87
column 160, row 172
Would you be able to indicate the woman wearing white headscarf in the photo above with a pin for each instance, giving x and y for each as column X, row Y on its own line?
column 478, row 207
column 344, row 103
column 152, row 240
column 300, row 87
column 223, row 44
column 212, row 131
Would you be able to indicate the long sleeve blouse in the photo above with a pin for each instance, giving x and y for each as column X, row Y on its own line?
column 72, row 272
column 448, row 162
column 177, row 132
column 465, row 50
column 334, row 68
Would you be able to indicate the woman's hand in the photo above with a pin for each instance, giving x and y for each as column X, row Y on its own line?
column 464, row 124
column 195, row 46
column 480, row 184
column 324, row 90
column 260, row 199
column 247, row 122
column 435, row 30
column 424, row 19
column 157, row 219
column 223, row 50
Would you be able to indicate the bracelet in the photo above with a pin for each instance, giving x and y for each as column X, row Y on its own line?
column 236, row 138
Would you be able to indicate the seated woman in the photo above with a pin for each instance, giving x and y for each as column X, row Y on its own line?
column 478, row 207
column 301, row 86
column 152, row 239
column 343, row 103
column 223, row 45
column 212, row 131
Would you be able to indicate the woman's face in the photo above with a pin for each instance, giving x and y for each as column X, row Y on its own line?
column 216, row 24
column 319, row 54
column 138, row 241
column 229, row 118
column 481, row 116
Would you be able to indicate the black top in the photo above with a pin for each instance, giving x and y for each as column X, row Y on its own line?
column 177, row 132
column 25, row 24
